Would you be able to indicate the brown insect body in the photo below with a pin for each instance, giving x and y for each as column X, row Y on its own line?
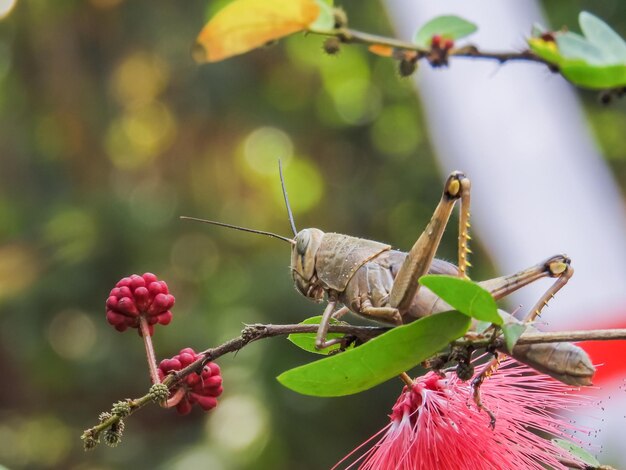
column 360, row 274
column 374, row 281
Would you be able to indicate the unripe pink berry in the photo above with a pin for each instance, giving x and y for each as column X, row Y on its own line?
column 185, row 358
column 184, row 407
column 125, row 281
column 137, row 281
column 127, row 306
column 165, row 318
column 202, row 389
column 213, row 382
column 137, row 296
column 206, row 402
column 149, row 277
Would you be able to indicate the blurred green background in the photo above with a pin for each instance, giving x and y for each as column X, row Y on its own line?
column 109, row 132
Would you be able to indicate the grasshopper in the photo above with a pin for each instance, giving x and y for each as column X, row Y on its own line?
column 370, row 279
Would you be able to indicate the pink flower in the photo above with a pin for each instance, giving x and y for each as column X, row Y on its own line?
column 436, row 425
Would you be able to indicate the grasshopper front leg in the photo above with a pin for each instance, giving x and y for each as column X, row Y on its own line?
column 329, row 312
column 421, row 256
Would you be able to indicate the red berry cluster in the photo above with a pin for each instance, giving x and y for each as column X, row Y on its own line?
column 203, row 388
column 437, row 42
column 136, row 296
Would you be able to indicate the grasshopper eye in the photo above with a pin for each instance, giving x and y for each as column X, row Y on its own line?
column 302, row 242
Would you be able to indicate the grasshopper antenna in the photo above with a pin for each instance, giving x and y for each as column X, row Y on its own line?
column 282, row 183
column 243, row 229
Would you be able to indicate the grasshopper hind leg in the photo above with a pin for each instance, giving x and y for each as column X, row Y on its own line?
column 558, row 266
column 563, row 361
column 419, row 259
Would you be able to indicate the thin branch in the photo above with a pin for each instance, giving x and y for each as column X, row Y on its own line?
column 256, row 332
column 353, row 36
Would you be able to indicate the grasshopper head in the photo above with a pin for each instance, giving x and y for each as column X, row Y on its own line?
column 303, row 254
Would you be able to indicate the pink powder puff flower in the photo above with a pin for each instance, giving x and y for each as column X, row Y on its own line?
column 436, row 425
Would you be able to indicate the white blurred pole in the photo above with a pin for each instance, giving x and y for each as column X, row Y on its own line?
column 539, row 185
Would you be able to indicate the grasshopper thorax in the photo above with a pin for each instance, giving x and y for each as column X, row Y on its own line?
column 303, row 256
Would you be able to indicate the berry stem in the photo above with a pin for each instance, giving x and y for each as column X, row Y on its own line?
column 147, row 341
column 175, row 399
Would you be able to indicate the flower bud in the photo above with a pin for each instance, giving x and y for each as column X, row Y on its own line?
column 332, row 46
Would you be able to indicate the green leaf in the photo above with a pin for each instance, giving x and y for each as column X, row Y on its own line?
column 512, row 331
column 379, row 359
column 448, row 27
column 537, row 30
column 577, row 451
column 594, row 77
column 574, row 46
column 579, row 72
column 326, row 19
column 545, row 49
column 481, row 326
column 603, row 37
column 306, row 341
column 465, row 296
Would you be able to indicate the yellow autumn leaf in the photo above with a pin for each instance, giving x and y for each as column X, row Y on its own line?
column 246, row 24
column 381, row 50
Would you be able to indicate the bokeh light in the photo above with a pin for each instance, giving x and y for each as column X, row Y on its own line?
column 71, row 234
column 19, row 268
column 264, row 147
column 396, row 131
column 240, row 425
column 139, row 79
column 39, row 441
column 195, row 256
column 72, row 334
column 305, row 186
column 6, row 7
column 137, row 137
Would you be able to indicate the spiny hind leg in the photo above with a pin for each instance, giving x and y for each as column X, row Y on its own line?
column 564, row 273
column 419, row 259
column 558, row 267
